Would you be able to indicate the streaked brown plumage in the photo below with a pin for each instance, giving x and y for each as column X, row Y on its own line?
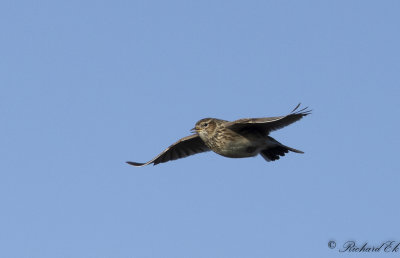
column 238, row 139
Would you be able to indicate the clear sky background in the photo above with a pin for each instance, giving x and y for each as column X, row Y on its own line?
column 88, row 85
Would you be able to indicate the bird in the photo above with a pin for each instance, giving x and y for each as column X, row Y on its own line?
column 247, row 137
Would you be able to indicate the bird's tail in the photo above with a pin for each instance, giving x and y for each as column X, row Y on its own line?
column 277, row 151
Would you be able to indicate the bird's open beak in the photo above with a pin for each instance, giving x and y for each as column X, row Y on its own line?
column 193, row 130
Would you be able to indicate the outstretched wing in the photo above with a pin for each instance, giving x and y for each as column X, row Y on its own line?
column 186, row 146
column 268, row 124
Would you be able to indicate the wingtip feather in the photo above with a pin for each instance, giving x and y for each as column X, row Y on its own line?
column 304, row 111
column 136, row 164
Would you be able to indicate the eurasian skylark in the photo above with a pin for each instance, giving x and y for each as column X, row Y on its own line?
column 242, row 138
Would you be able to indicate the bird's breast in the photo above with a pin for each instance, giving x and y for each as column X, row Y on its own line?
column 235, row 145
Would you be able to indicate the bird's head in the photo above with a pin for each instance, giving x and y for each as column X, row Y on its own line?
column 205, row 127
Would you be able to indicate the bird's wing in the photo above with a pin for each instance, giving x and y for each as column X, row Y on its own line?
column 268, row 124
column 186, row 146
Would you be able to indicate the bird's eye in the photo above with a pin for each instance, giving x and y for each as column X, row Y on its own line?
column 205, row 124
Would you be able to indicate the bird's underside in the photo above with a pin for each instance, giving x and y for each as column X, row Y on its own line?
column 241, row 138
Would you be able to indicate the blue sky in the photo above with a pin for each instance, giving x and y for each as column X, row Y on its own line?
column 88, row 85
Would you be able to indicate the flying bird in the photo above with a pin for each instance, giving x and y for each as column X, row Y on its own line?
column 242, row 138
